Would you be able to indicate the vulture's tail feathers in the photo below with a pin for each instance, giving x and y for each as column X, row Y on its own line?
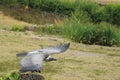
column 21, row 54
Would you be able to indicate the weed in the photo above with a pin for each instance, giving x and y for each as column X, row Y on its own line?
column 99, row 72
column 11, row 76
column 17, row 28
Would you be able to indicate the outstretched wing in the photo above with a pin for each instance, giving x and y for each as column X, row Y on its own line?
column 56, row 49
column 49, row 50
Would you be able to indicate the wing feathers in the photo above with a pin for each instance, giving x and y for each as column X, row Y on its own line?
column 64, row 47
column 50, row 50
column 21, row 54
column 56, row 49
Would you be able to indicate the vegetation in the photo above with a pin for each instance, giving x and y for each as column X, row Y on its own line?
column 102, row 34
column 92, row 34
column 110, row 14
column 11, row 76
column 95, row 13
column 81, row 22
column 17, row 28
column 87, row 22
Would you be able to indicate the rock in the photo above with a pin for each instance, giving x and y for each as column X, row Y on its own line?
column 30, row 77
column 32, row 27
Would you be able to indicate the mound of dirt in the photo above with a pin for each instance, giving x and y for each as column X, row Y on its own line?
column 31, row 77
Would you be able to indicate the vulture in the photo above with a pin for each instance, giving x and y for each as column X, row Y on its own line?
column 32, row 61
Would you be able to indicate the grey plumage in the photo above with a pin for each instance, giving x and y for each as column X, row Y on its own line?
column 32, row 61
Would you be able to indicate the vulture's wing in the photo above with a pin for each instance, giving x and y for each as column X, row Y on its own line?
column 55, row 49
column 48, row 50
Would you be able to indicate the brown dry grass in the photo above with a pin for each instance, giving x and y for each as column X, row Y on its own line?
column 6, row 21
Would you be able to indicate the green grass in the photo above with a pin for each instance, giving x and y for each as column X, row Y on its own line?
column 68, row 64
column 99, row 72
column 17, row 28
column 103, row 64
column 102, row 34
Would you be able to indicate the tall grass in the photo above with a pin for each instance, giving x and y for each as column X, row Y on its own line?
column 111, row 14
column 102, row 34
column 86, row 8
